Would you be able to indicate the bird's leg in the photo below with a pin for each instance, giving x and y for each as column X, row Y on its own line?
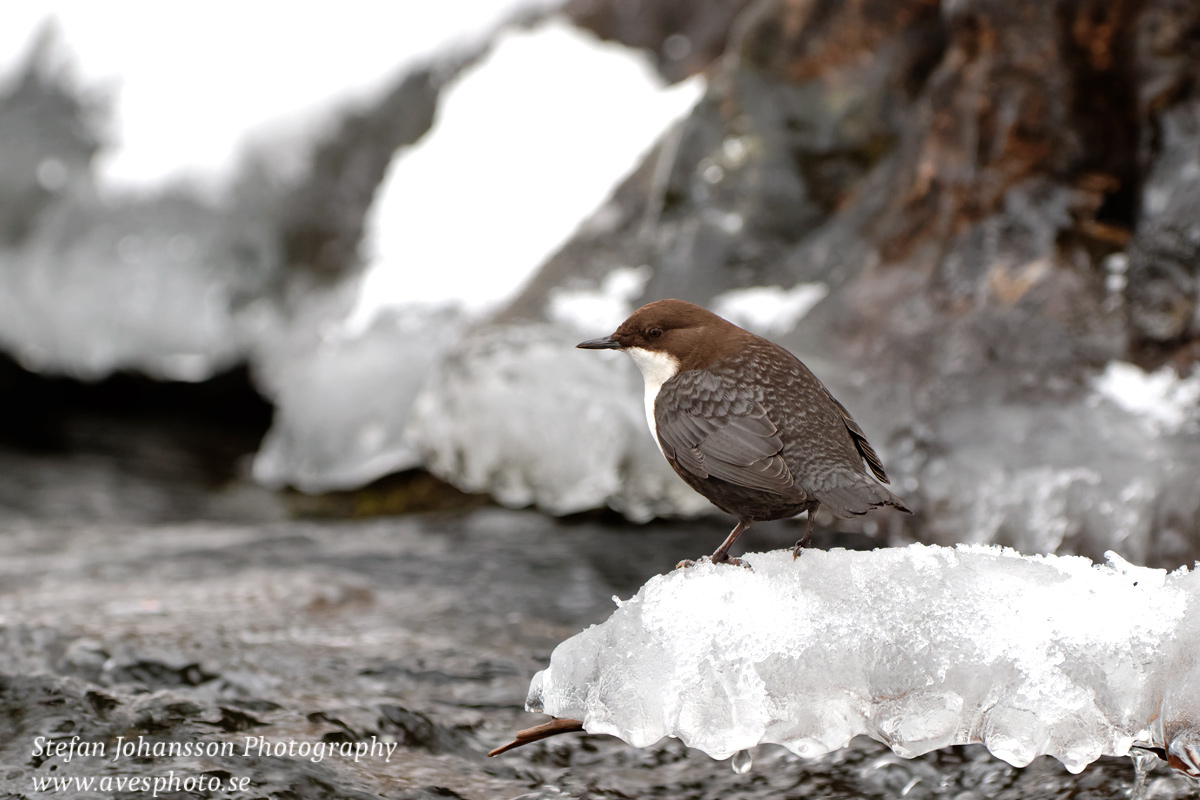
column 803, row 543
column 721, row 554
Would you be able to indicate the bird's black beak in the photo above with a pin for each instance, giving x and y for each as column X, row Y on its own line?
column 606, row 343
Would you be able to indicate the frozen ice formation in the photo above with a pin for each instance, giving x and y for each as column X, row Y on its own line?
column 148, row 289
column 343, row 398
column 515, row 412
column 918, row 647
column 1082, row 477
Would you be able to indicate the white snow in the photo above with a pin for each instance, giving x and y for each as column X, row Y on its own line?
column 918, row 647
column 190, row 83
column 527, row 144
column 769, row 310
column 601, row 309
column 1164, row 400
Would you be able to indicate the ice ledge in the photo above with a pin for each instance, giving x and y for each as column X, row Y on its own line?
column 918, row 647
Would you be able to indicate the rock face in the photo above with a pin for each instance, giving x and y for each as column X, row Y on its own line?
column 1000, row 199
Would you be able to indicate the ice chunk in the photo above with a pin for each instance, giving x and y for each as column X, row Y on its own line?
column 144, row 285
column 1072, row 478
column 515, row 412
column 919, row 647
column 343, row 399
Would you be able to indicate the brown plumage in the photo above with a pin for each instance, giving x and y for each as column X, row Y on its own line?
column 745, row 423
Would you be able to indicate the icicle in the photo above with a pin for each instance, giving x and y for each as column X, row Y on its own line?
column 1143, row 764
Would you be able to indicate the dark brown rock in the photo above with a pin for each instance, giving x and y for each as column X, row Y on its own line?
column 684, row 36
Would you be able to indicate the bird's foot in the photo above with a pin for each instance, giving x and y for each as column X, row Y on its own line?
column 735, row 562
column 798, row 548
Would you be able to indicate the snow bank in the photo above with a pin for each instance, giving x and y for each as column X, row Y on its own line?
column 918, row 647
column 528, row 143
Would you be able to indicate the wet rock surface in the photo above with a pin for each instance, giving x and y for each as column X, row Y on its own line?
column 418, row 632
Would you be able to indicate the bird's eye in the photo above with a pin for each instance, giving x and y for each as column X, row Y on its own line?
column 654, row 333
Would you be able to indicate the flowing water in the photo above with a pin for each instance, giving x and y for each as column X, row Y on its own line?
column 401, row 646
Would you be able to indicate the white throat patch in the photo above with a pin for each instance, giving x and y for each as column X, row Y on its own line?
column 657, row 368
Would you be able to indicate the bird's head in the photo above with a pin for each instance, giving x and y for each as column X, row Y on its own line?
column 666, row 336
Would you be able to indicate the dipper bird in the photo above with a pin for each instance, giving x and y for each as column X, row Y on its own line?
column 745, row 423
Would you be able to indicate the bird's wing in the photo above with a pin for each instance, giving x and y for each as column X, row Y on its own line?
column 710, row 426
column 860, row 440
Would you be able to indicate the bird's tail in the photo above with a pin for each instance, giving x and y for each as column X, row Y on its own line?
column 854, row 494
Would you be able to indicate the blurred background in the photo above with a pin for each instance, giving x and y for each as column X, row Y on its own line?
column 289, row 296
